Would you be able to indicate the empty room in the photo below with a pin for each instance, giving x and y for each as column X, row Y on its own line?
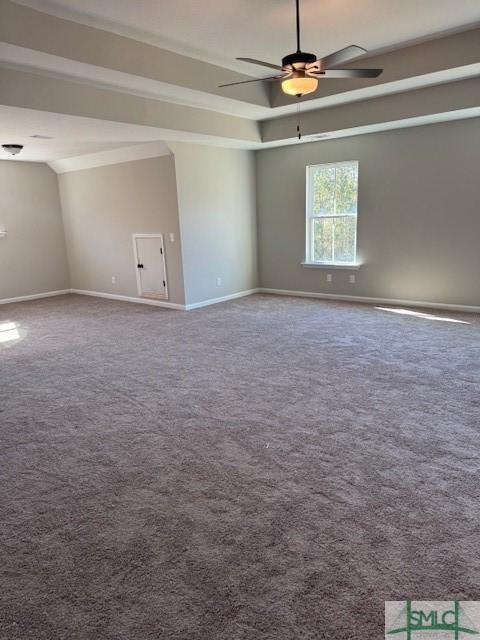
column 239, row 319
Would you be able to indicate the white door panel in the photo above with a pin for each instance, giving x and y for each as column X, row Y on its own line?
column 151, row 276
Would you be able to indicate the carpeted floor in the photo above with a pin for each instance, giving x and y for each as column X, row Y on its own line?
column 265, row 469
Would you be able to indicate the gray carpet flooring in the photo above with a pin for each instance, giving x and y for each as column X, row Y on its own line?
column 265, row 469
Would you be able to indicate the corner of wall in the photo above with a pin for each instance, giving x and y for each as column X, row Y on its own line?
column 216, row 190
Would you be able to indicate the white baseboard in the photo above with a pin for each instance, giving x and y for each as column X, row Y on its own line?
column 231, row 296
column 34, row 296
column 241, row 294
column 150, row 301
column 367, row 300
column 162, row 303
column 114, row 296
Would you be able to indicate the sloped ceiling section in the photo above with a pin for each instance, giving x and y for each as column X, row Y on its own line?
column 65, row 64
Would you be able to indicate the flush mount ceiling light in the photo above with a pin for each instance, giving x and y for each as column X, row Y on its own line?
column 12, row 149
column 301, row 71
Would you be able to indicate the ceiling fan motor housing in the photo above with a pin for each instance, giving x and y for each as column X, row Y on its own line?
column 298, row 57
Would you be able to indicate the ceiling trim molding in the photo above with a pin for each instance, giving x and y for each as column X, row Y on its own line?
column 44, row 93
column 406, row 85
column 112, row 156
column 406, row 123
column 426, row 101
column 409, row 65
column 29, row 28
column 46, row 64
column 106, row 60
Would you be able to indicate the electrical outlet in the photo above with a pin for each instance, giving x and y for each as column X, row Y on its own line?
column 114, row 280
column 329, row 277
column 351, row 278
column 219, row 282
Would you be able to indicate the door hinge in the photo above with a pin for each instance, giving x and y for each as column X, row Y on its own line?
column 164, row 283
column 161, row 251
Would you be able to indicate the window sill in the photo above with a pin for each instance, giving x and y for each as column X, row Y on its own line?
column 329, row 265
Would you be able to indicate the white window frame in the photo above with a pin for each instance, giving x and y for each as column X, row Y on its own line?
column 310, row 218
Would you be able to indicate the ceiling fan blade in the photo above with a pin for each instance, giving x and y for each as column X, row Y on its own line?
column 231, row 84
column 346, row 73
column 353, row 51
column 261, row 63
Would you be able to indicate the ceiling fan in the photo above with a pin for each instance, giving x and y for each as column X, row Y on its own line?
column 302, row 71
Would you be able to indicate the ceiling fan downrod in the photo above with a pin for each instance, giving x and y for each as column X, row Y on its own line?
column 297, row 4
column 299, row 56
column 300, row 72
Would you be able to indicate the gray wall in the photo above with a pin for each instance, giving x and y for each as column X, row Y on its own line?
column 418, row 221
column 32, row 256
column 103, row 206
column 216, row 199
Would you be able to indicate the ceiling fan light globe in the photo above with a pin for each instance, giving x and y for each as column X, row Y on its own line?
column 299, row 85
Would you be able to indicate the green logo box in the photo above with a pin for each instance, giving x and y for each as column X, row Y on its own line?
column 432, row 619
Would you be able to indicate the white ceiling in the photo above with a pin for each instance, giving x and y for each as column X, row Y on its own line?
column 215, row 31
column 70, row 136
column 218, row 31
column 76, row 142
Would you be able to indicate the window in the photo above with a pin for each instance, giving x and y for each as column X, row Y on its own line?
column 332, row 191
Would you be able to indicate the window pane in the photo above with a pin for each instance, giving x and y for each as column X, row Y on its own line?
column 332, row 213
column 344, row 239
column 323, row 187
column 323, row 240
column 346, row 189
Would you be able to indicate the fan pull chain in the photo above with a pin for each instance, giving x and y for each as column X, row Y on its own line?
column 299, row 133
